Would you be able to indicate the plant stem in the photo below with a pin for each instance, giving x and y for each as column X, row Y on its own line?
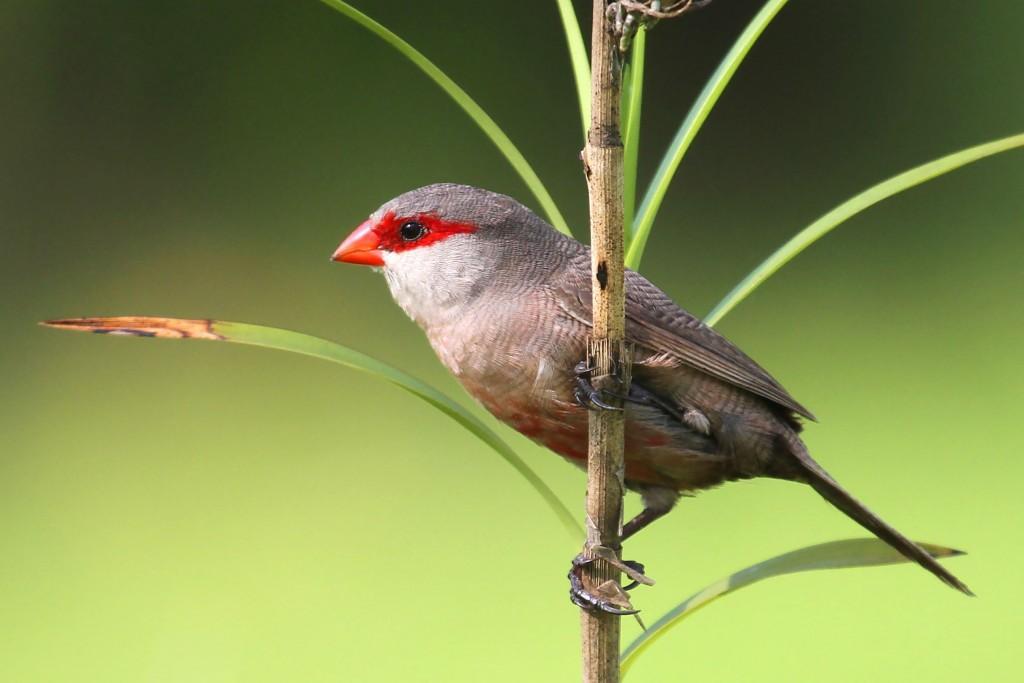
column 602, row 161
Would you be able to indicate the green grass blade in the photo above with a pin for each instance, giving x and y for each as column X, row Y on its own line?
column 633, row 90
column 852, row 207
column 578, row 57
column 689, row 128
column 856, row 552
column 296, row 342
column 462, row 98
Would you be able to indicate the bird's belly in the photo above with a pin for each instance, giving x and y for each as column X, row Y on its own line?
column 655, row 455
column 532, row 392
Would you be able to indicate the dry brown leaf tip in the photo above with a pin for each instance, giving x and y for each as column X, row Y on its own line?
column 142, row 326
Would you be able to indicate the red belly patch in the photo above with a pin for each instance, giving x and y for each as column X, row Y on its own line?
column 566, row 435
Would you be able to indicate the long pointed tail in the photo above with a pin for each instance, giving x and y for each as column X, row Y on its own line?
column 831, row 491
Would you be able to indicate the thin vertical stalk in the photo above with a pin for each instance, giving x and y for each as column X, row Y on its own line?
column 603, row 160
column 633, row 89
column 578, row 57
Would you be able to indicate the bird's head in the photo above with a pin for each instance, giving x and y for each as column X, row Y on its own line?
column 443, row 246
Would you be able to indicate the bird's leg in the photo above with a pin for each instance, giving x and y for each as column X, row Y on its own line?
column 646, row 516
column 634, row 570
column 637, row 567
column 581, row 597
column 658, row 502
column 585, row 393
column 609, row 597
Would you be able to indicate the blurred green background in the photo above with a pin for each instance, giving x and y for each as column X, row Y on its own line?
column 201, row 512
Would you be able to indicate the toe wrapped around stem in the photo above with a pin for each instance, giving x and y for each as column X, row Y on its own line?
column 585, row 393
column 609, row 597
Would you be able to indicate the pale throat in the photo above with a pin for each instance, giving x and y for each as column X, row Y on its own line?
column 433, row 285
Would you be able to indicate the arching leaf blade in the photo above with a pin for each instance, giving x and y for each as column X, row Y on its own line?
column 578, row 57
column 633, row 90
column 468, row 104
column 297, row 342
column 855, row 552
column 689, row 128
column 850, row 208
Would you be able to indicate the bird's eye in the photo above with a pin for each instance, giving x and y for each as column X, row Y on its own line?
column 412, row 230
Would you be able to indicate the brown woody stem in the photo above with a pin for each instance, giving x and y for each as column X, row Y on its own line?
column 602, row 160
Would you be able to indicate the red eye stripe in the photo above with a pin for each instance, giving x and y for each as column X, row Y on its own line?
column 389, row 231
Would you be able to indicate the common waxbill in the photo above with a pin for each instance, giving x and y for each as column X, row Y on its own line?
column 505, row 300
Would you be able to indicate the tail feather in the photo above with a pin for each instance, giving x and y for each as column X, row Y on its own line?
column 830, row 490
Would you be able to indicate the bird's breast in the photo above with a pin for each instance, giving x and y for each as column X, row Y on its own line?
column 519, row 364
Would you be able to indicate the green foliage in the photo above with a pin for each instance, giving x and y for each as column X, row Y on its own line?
column 856, row 552
column 850, row 208
column 297, row 342
column 689, row 128
column 632, row 95
column 578, row 58
column 468, row 104
column 640, row 222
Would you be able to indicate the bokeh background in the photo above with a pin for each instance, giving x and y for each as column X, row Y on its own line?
column 201, row 512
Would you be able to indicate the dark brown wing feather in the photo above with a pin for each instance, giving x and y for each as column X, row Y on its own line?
column 657, row 323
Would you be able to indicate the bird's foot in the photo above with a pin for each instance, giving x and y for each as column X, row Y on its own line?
column 608, row 597
column 586, row 394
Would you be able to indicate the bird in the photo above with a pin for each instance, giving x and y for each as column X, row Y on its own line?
column 505, row 302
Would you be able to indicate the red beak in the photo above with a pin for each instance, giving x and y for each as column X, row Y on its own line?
column 362, row 247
